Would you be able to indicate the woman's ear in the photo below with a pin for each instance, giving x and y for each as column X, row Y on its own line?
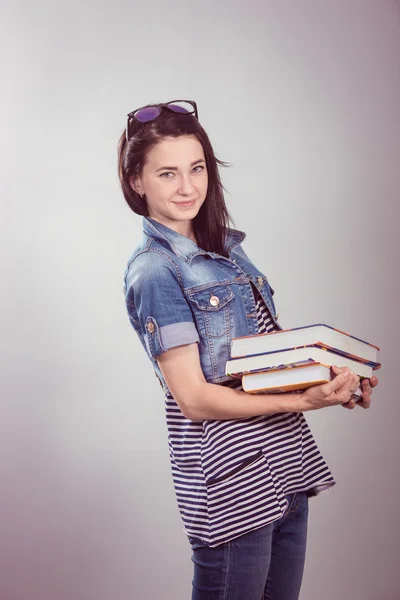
column 136, row 184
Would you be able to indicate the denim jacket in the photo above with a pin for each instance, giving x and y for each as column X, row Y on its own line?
column 177, row 293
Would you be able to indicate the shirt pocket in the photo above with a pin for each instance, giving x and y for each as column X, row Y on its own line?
column 212, row 305
column 250, row 492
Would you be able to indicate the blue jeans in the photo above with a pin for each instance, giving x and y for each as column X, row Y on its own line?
column 264, row 564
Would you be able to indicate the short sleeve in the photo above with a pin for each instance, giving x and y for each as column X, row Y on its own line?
column 157, row 302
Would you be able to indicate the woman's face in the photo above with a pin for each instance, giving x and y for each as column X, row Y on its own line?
column 174, row 179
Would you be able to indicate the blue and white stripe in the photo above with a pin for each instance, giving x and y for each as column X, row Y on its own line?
column 232, row 476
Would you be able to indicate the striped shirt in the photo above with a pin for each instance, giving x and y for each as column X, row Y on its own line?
column 232, row 476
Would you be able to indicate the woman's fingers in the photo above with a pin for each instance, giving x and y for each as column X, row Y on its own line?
column 347, row 386
column 350, row 404
column 374, row 381
column 337, row 383
column 366, row 386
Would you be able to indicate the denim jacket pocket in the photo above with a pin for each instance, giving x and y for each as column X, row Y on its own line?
column 211, row 306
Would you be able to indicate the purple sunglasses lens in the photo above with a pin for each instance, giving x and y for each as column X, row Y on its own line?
column 147, row 114
column 178, row 109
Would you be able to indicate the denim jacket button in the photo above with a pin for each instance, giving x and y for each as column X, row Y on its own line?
column 214, row 300
column 259, row 280
column 150, row 327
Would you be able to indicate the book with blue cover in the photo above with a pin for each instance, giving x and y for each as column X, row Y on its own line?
column 290, row 379
column 289, row 357
column 318, row 335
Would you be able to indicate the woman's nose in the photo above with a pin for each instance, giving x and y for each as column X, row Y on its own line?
column 185, row 185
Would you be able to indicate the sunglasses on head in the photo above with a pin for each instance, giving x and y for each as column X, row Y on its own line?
column 148, row 113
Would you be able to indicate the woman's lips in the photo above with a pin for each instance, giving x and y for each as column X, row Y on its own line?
column 185, row 204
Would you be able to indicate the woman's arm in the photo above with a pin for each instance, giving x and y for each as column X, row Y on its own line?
column 199, row 400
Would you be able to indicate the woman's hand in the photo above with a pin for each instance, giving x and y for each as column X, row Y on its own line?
column 337, row 391
column 366, row 386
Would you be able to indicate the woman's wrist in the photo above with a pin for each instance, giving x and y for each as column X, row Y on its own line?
column 278, row 403
column 292, row 402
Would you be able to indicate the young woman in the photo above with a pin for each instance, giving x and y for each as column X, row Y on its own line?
column 243, row 465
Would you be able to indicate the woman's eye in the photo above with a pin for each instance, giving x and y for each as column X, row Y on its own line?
column 169, row 174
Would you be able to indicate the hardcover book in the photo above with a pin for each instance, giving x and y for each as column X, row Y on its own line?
column 237, row 367
column 319, row 334
column 296, row 378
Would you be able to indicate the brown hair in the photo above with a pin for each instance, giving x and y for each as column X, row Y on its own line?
column 212, row 221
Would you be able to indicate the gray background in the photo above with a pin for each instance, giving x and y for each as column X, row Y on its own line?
column 303, row 97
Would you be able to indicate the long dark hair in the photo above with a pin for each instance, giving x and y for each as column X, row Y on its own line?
column 212, row 221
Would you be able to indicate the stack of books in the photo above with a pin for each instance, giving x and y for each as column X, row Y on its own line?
column 296, row 359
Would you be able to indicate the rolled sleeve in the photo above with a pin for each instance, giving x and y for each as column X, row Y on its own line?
column 177, row 334
column 156, row 297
